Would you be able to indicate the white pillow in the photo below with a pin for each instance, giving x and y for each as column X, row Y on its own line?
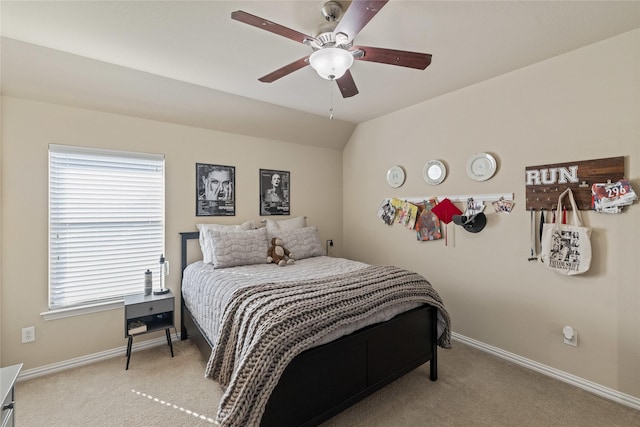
column 276, row 227
column 231, row 248
column 302, row 242
column 206, row 245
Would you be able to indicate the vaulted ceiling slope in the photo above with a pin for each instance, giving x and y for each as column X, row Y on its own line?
column 190, row 63
column 35, row 72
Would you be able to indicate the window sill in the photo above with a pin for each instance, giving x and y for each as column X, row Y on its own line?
column 62, row 313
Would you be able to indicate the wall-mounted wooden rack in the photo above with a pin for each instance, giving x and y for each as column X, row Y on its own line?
column 545, row 183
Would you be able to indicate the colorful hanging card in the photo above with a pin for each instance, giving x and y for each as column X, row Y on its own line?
column 427, row 223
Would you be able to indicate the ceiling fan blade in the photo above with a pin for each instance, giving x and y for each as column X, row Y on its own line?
column 402, row 58
column 287, row 69
column 347, row 85
column 272, row 27
column 358, row 14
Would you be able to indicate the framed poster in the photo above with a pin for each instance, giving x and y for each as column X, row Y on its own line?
column 215, row 190
column 275, row 191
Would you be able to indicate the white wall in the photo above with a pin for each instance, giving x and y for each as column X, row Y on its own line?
column 579, row 106
column 27, row 129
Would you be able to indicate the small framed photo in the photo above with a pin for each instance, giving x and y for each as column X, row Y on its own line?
column 215, row 190
column 275, row 192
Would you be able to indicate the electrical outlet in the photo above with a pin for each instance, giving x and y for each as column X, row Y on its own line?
column 28, row 334
column 328, row 244
column 570, row 336
column 572, row 341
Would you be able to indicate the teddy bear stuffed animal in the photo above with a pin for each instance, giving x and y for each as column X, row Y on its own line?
column 278, row 254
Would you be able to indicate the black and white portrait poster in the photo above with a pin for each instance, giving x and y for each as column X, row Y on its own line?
column 215, row 190
column 275, row 191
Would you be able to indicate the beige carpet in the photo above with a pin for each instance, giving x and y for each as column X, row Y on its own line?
column 474, row 389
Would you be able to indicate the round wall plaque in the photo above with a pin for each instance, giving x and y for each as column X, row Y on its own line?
column 434, row 172
column 395, row 176
column 481, row 166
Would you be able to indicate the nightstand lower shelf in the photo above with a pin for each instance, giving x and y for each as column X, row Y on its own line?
column 130, row 343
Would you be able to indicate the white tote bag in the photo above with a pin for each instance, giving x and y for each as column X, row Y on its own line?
column 566, row 248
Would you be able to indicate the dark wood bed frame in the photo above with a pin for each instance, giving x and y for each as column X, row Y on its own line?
column 325, row 380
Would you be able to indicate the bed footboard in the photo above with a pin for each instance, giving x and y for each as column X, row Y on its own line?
column 325, row 380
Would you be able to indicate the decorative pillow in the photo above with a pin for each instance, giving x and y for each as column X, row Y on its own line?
column 232, row 248
column 302, row 242
column 275, row 228
column 206, row 245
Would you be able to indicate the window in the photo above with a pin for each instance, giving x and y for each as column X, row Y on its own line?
column 106, row 224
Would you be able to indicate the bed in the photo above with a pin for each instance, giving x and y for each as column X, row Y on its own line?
column 324, row 365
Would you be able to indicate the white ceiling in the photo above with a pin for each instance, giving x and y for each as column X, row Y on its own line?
column 204, row 66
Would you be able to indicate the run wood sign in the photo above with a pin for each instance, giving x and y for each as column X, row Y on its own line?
column 545, row 183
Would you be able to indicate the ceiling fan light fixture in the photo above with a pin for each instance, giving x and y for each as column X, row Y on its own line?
column 331, row 62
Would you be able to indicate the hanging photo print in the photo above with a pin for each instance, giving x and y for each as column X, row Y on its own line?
column 275, row 188
column 387, row 212
column 503, row 206
column 215, row 190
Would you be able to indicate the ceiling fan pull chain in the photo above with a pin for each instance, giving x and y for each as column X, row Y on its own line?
column 331, row 99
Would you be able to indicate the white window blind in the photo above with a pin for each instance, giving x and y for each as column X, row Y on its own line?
column 106, row 223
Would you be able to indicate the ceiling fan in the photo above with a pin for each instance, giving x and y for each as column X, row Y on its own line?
column 333, row 48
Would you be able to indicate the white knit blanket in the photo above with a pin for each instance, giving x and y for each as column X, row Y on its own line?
column 265, row 326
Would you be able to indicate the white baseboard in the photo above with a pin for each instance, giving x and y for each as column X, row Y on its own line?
column 91, row 358
column 589, row 386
